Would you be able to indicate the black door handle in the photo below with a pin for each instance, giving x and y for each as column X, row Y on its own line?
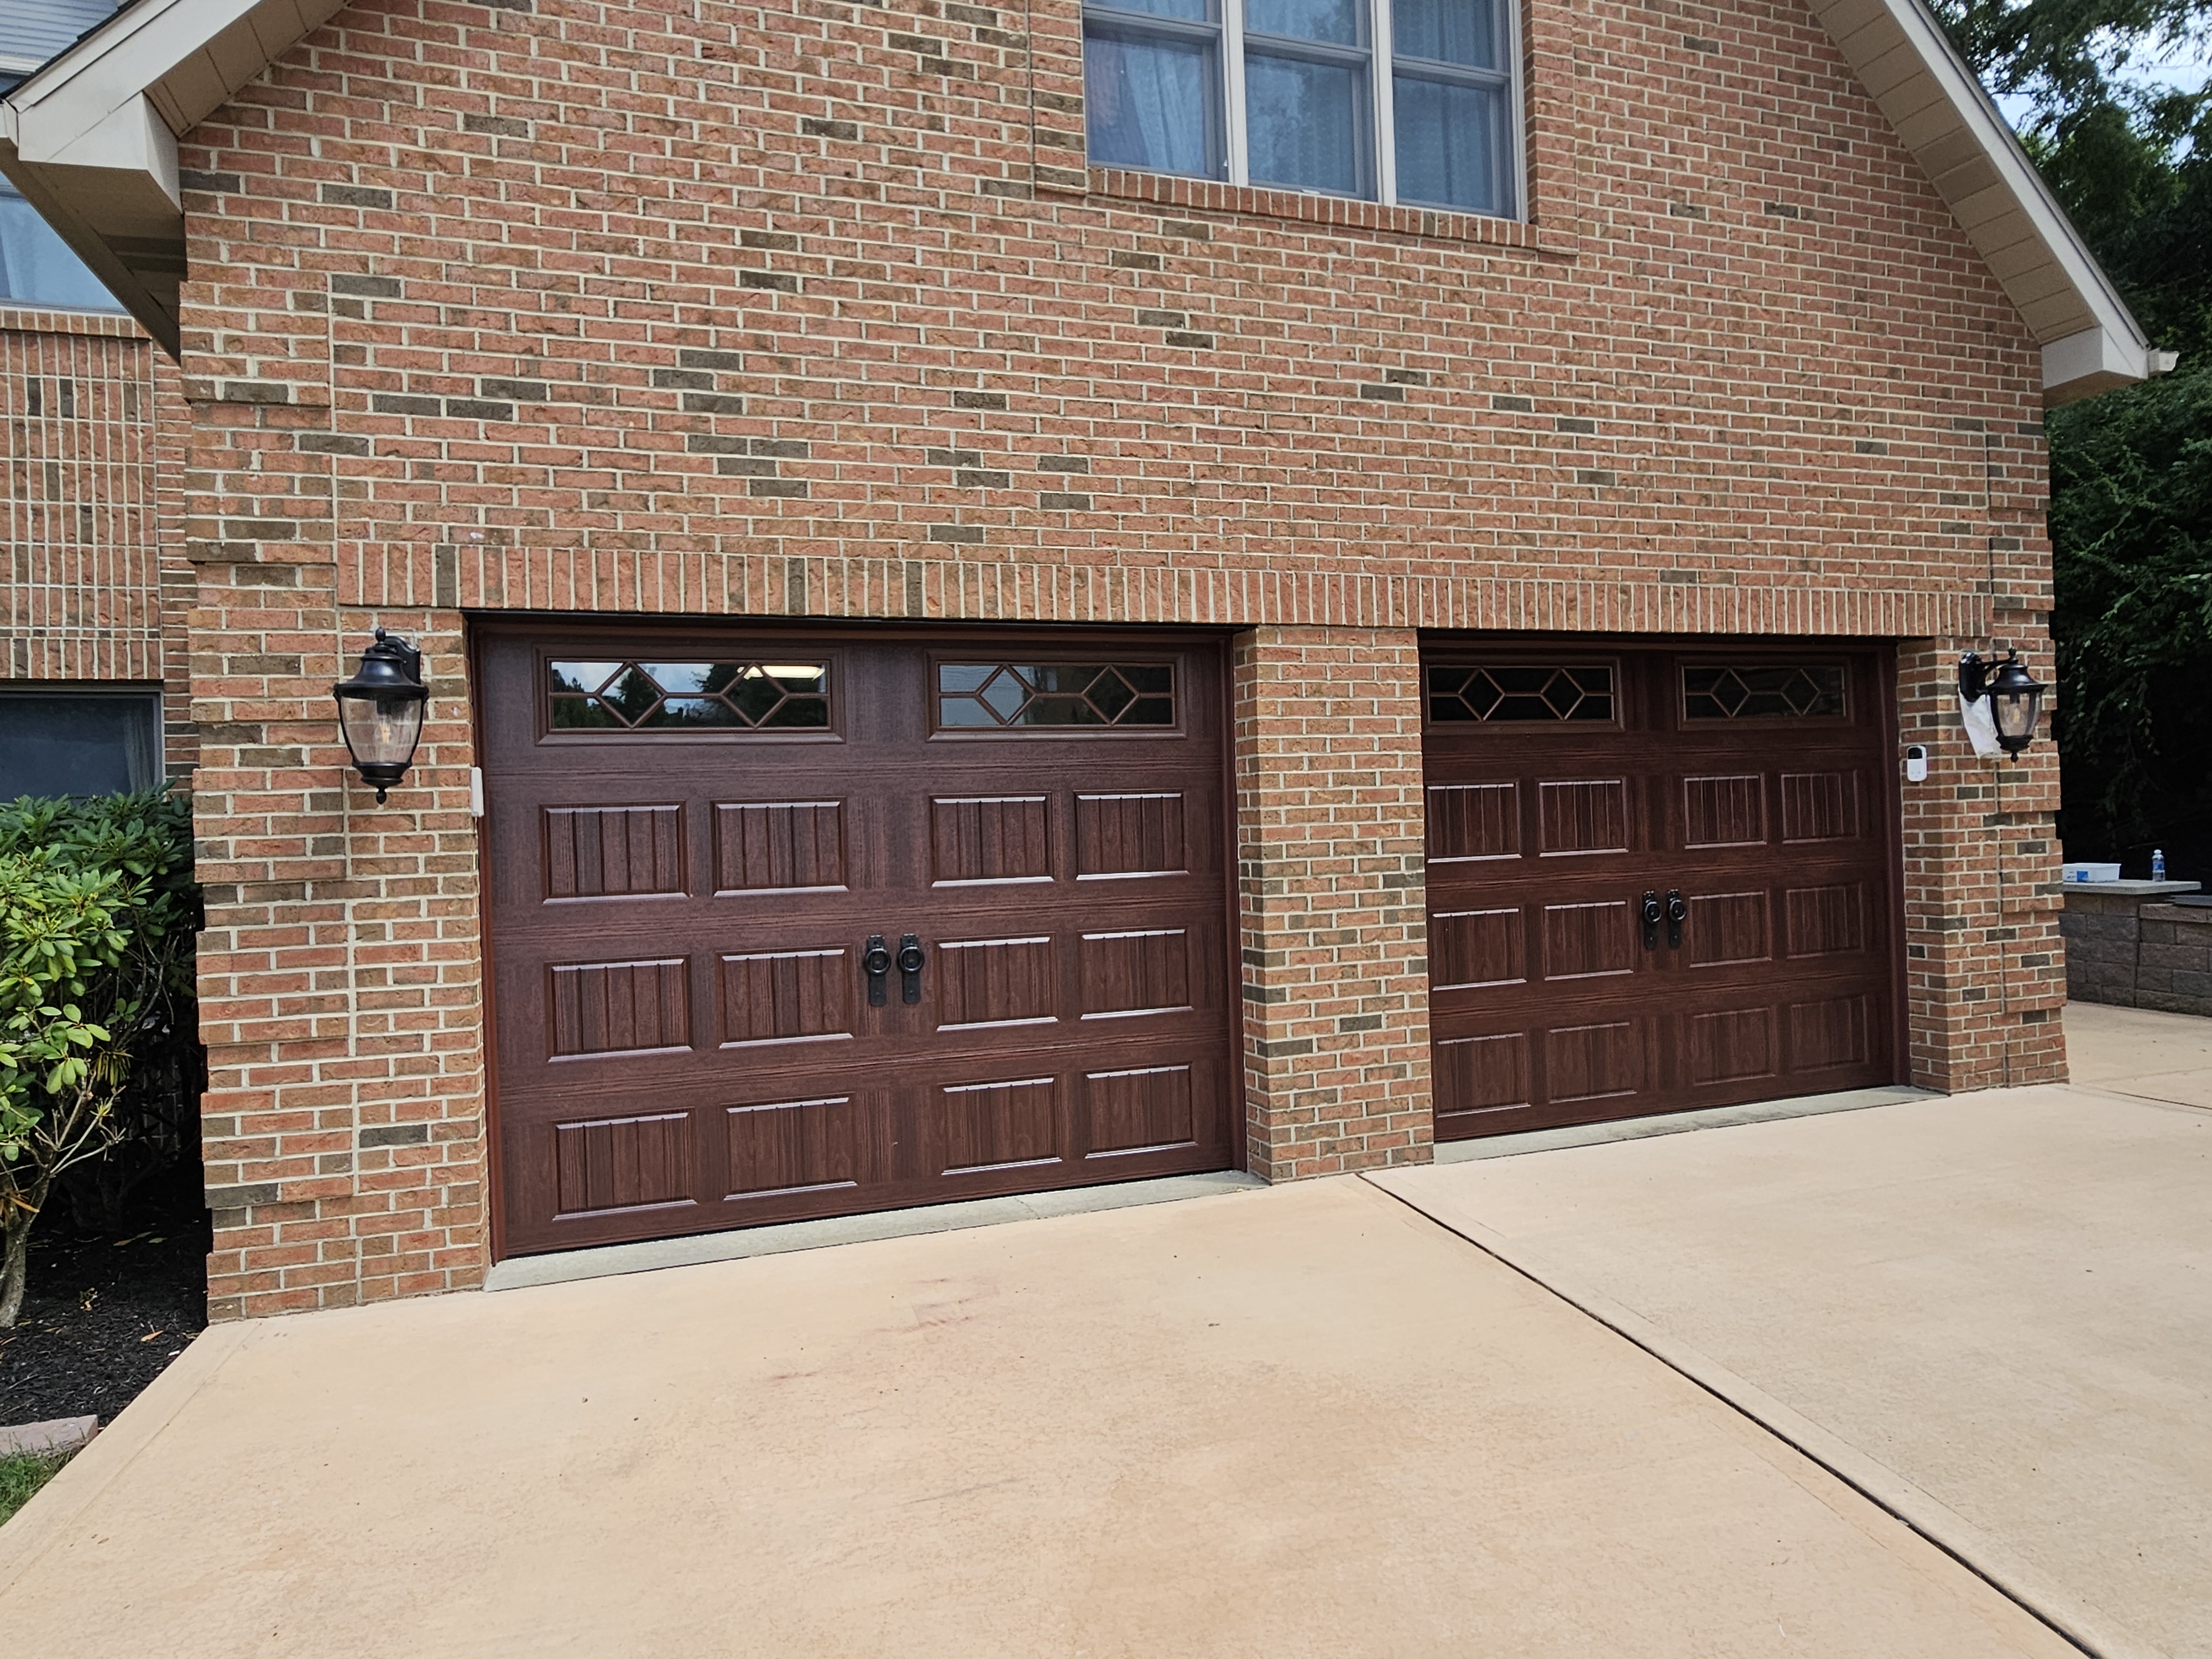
column 1651, row 912
column 878, row 962
column 910, row 961
column 1677, row 912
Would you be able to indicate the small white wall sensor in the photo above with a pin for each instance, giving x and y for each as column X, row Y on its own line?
column 1915, row 763
column 476, row 790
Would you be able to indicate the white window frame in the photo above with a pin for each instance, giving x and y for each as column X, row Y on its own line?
column 1381, row 102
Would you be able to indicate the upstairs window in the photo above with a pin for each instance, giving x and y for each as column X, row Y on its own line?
column 36, row 266
column 1389, row 101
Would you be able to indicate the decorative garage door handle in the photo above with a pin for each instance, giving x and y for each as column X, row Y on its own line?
column 1651, row 913
column 910, row 960
column 877, row 963
column 1677, row 912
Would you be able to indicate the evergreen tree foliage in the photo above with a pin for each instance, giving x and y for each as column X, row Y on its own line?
column 2130, row 470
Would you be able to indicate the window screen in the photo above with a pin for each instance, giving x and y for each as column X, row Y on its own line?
column 79, row 742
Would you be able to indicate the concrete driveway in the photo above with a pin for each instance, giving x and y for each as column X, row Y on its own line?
column 1994, row 1311
column 1310, row 1419
column 1302, row 1420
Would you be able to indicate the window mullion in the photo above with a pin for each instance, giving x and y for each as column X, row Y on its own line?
column 1232, row 78
column 1384, row 73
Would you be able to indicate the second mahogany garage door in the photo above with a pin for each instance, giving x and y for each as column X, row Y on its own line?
column 1741, row 793
column 788, row 923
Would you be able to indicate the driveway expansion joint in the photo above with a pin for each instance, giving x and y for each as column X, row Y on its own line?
column 1922, row 1514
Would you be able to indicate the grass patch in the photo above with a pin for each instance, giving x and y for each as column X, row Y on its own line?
column 23, row 1474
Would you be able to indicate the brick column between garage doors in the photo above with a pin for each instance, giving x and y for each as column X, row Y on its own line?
column 1332, row 899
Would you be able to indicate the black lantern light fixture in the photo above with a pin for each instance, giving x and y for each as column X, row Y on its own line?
column 2015, row 696
column 380, row 711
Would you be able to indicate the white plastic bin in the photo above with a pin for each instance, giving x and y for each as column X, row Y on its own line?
column 2092, row 873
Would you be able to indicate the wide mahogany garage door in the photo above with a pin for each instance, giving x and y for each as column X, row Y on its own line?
column 788, row 923
column 1742, row 794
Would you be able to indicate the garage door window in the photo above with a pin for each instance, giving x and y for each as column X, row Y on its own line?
column 648, row 698
column 1780, row 691
column 1053, row 696
column 1500, row 692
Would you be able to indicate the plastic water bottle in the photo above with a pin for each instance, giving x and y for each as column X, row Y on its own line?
column 2158, row 864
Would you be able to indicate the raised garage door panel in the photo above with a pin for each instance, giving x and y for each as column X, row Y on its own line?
column 693, row 838
column 1562, row 784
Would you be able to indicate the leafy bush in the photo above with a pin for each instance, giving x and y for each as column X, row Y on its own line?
column 98, row 1052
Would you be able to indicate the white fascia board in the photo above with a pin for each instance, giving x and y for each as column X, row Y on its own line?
column 121, row 61
column 2082, row 365
column 91, row 138
column 1909, row 64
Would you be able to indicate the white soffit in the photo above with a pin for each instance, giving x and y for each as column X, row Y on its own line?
column 91, row 140
column 2090, row 342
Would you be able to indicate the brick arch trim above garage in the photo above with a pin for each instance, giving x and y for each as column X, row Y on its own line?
column 582, row 580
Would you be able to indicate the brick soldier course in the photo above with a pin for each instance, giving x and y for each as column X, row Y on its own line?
column 814, row 310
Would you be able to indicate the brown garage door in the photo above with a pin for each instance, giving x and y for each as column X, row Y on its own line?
column 696, row 837
column 1564, row 784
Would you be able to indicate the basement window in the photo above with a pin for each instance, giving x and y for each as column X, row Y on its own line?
column 79, row 741
column 36, row 266
column 1408, row 101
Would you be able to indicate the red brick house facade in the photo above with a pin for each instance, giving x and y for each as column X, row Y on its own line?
column 808, row 323
column 94, row 581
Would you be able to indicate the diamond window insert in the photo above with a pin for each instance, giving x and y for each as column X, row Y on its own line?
column 689, row 697
column 989, row 696
column 1497, row 693
column 1385, row 100
column 1768, row 691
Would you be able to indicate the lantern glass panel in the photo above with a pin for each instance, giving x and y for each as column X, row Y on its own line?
column 381, row 729
column 2016, row 712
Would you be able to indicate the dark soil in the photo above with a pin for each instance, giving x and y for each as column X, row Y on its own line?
column 105, row 1312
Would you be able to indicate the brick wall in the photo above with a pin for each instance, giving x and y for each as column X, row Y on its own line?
column 1330, row 874
column 94, row 584
column 1985, row 966
column 812, row 309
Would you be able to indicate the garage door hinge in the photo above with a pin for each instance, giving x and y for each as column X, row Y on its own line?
column 476, row 792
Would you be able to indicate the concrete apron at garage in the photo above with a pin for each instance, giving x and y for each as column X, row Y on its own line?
column 1993, row 1312
column 1298, row 1420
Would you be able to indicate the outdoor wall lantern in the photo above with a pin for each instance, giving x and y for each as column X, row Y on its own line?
column 380, row 711
column 2015, row 697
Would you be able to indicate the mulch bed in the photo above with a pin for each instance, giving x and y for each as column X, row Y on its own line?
column 104, row 1312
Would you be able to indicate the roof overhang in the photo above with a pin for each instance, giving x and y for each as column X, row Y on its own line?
column 1947, row 121
column 91, row 140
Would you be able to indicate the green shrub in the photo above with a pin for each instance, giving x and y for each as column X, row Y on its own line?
column 97, row 913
